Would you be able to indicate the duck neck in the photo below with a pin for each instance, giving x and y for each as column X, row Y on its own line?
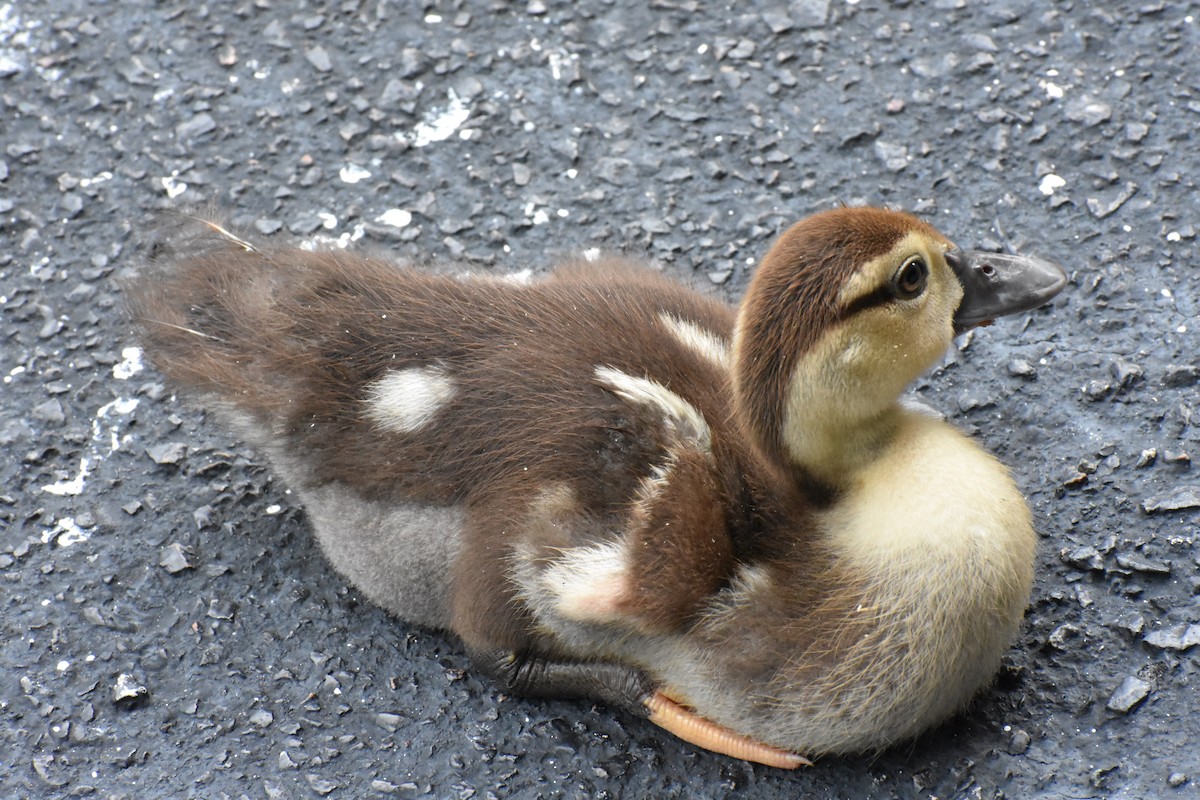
column 833, row 444
column 823, row 420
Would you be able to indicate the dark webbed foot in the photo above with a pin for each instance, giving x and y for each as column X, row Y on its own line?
column 628, row 689
column 529, row 675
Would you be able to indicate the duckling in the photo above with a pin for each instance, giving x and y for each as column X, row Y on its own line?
column 612, row 487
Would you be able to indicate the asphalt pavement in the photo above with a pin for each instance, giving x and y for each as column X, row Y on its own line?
column 170, row 629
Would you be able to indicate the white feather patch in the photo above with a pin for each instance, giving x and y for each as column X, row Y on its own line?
column 405, row 400
column 589, row 584
column 700, row 341
column 676, row 411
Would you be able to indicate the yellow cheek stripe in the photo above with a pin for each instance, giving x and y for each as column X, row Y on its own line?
column 874, row 276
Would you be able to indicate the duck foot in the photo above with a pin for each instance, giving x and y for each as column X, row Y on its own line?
column 695, row 729
column 627, row 688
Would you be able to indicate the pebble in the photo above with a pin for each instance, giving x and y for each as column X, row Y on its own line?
column 1177, row 779
column 389, row 722
column 809, row 13
column 204, row 517
column 893, row 156
column 1181, row 376
column 261, row 718
column 617, row 171
column 1101, row 209
column 1139, row 564
column 1020, row 368
column 1132, row 691
column 778, row 20
column 971, row 399
column 1131, row 622
column 127, row 691
column 41, row 766
column 168, row 453
column 194, row 128
column 49, row 412
column 1177, row 637
column 1019, row 742
column 320, row 785
column 1062, row 637
column 1178, row 499
column 174, row 558
column 1088, row 111
column 1126, row 372
column 1085, row 558
column 319, row 58
column 221, row 609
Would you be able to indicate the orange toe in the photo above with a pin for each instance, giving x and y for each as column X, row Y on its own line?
column 692, row 728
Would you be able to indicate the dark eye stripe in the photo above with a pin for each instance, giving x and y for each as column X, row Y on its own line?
column 878, row 297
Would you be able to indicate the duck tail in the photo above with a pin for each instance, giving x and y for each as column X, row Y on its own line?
column 211, row 312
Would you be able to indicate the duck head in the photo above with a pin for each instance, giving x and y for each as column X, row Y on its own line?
column 847, row 308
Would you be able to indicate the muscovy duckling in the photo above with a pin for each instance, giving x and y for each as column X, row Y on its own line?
column 613, row 487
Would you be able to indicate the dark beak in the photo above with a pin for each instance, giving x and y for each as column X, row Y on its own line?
column 996, row 285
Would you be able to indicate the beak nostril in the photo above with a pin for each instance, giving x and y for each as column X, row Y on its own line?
column 987, row 269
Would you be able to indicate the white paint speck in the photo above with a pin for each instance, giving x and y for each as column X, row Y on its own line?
column 65, row 533
column 592, row 254
column 1173, row 236
column 74, row 486
column 274, row 508
column 173, row 185
column 557, row 59
column 121, row 406
column 396, row 217
column 433, row 19
column 130, row 365
column 1050, row 184
column 1053, row 90
column 353, row 173
column 537, row 216
column 340, row 242
column 99, row 178
column 438, row 124
column 14, row 40
column 1165, row 293
column 328, row 221
column 63, row 666
column 520, row 277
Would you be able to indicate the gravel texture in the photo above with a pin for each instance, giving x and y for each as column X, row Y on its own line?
column 169, row 628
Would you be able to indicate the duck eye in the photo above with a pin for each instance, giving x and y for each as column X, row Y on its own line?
column 911, row 278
